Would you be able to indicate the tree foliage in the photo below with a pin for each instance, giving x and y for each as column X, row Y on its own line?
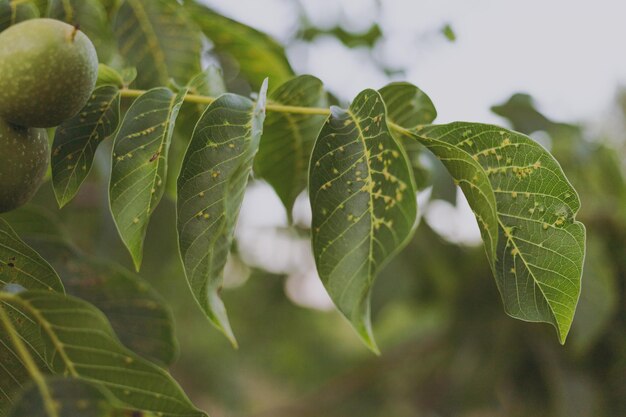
column 109, row 347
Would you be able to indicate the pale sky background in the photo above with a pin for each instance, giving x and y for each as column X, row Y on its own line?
column 568, row 54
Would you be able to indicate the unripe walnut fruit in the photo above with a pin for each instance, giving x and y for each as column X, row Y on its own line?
column 48, row 71
column 24, row 159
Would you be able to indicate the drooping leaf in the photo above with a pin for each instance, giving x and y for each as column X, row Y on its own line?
column 159, row 39
column 91, row 17
column 258, row 55
column 211, row 186
column 21, row 265
column 79, row 342
column 363, row 200
column 286, row 146
column 76, row 141
column 139, row 166
column 138, row 314
column 540, row 245
column 72, row 398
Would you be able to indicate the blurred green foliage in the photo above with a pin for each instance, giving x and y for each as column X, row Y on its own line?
column 447, row 347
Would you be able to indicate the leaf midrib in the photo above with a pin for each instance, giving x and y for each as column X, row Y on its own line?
column 370, row 208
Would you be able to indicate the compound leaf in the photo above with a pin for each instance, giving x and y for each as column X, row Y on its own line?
column 211, row 185
column 364, row 206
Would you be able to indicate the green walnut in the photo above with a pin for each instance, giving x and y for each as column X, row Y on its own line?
column 48, row 70
column 24, row 159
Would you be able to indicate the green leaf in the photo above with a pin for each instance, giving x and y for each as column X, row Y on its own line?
column 71, row 397
column 258, row 55
column 12, row 12
column 5, row 14
column 208, row 83
column 159, row 39
column 540, row 245
column 92, row 18
column 211, row 187
column 286, row 146
column 109, row 76
column 448, row 32
column 138, row 314
column 13, row 373
column 367, row 38
column 599, row 302
column 76, row 141
column 524, row 117
column 129, row 75
column 79, row 342
column 21, row 265
column 364, row 205
column 470, row 176
column 407, row 105
column 139, row 165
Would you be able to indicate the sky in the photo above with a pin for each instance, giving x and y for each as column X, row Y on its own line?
column 568, row 54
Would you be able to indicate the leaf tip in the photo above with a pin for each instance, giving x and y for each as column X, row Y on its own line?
column 216, row 313
column 363, row 325
column 562, row 332
column 61, row 198
column 367, row 336
column 137, row 259
column 61, row 202
column 261, row 102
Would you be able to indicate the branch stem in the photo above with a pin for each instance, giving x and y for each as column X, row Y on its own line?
column 270, row 107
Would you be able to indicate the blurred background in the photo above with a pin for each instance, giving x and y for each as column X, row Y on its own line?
column 551, row 69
